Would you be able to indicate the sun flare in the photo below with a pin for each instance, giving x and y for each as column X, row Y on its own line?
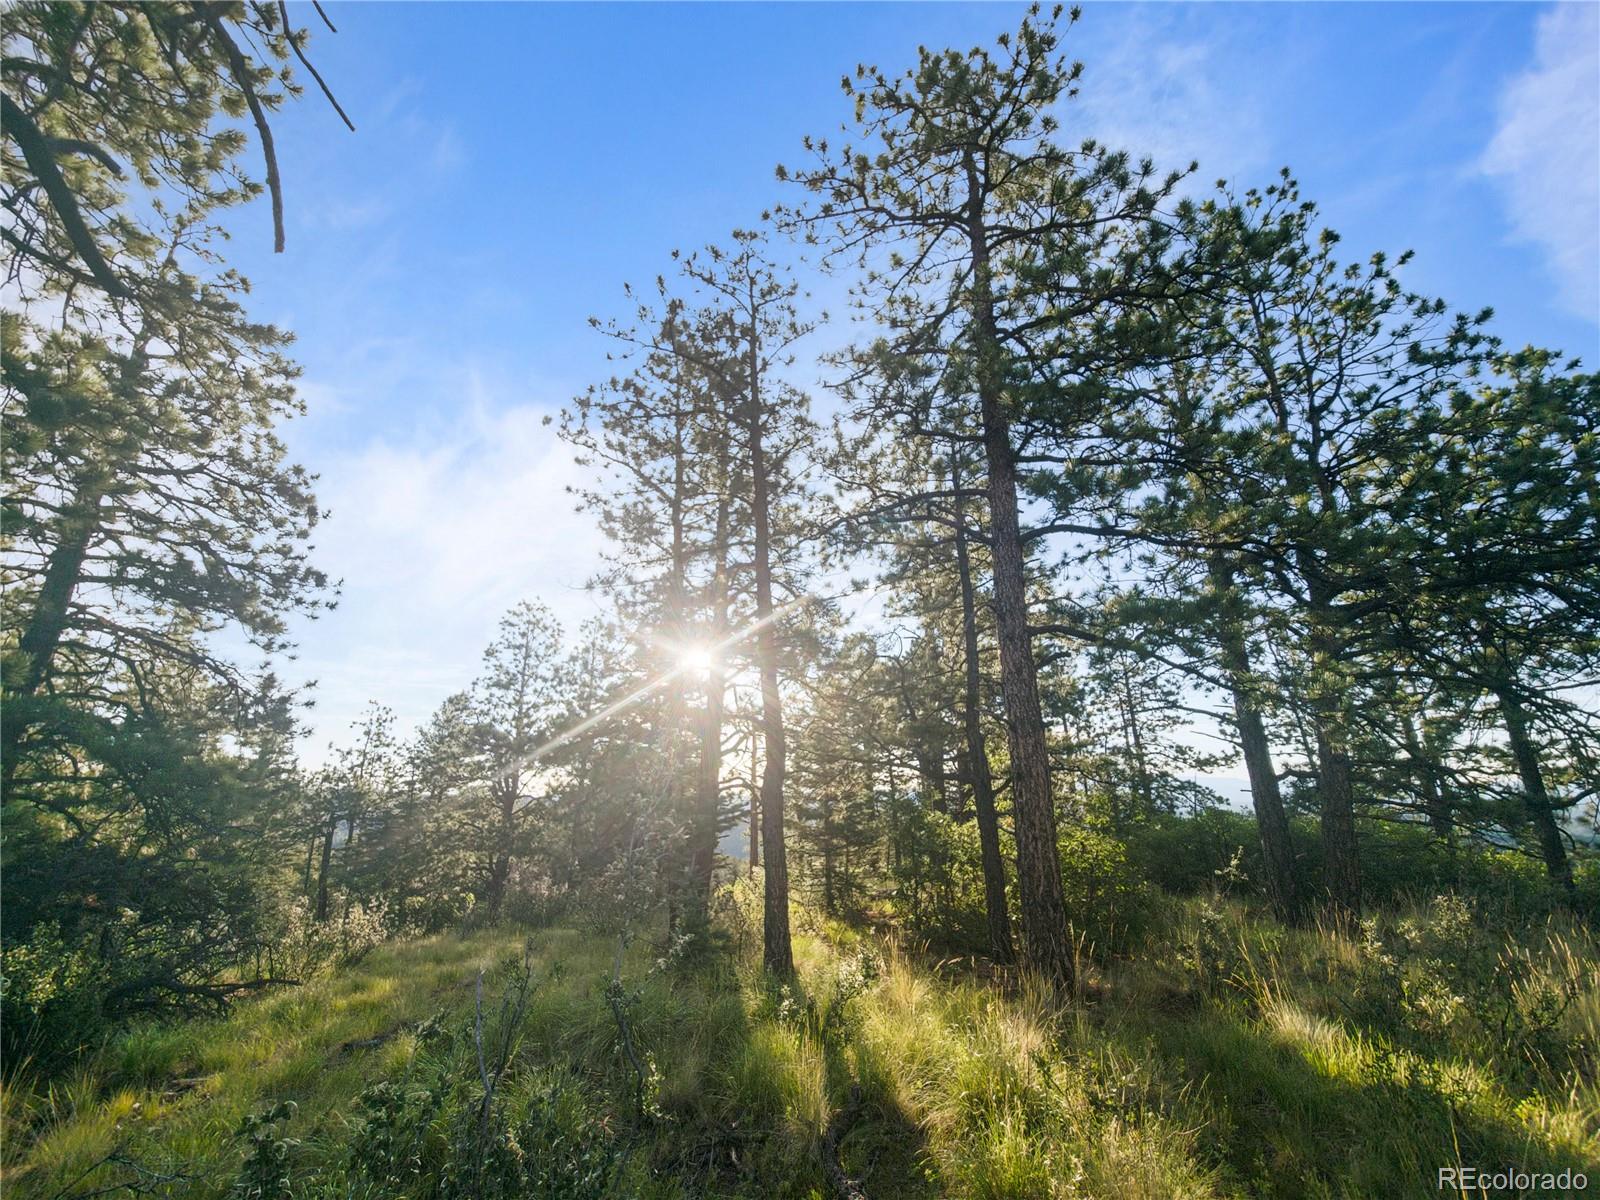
column 697, row 658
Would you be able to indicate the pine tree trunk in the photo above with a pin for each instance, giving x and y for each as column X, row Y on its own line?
column 1535, row 795
column 1437, row 804
column 322, row 868
column 1265, row 797
column 64, row 568
column 1340, row 857
column 1047, row 944
column 500, row 862
column 48, row 621
column 755, row 809
column 1341, row 864
column 708, row 807
column 1001, row 948
column 1272, row 823
column 777, row 951
column 703, row 851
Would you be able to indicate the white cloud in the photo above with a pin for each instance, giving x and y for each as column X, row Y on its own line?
column 436, row 534
column 1546, row 152
column 1155, row 85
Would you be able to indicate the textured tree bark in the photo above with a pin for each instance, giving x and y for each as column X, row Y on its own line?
column 777, row 951
column 1341, row 863
column 1340, row 857
column 1047, row 944
column 1001, row 948
column 1271, row 821
column 1535, row 795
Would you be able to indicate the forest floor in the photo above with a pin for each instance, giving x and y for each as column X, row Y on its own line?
column 1229, row 1057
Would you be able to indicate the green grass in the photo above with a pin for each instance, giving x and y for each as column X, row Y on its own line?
column 1230, row 1057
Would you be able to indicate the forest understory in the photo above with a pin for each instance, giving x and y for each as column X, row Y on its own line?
column 1234, row 1057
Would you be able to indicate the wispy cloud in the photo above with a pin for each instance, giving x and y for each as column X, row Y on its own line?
column 436, row 533
column 1159, row 84
column 1546, row 152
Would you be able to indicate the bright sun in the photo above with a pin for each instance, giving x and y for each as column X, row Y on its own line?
column 697, row 658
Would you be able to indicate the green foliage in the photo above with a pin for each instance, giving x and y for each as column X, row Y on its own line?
column 1108, row 903
column 117, row 110
column 1288, row 481
column 1450, row 973
column 265, row 1174
column 1255, row 1079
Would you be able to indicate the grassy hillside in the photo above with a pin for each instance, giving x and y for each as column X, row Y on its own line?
column 1233, row 1058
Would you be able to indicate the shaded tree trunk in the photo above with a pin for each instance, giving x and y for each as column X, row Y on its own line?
column 48, row 622
column 1440, row 816
column 1272, row 823
column 1340, row 856
column 1341, row 865
column 996, row 910
column 777, row 951
column 1536, row 799
column 1047, row 944
column 326, row 861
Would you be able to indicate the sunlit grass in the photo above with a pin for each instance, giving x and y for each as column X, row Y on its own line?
column 1251, row 1078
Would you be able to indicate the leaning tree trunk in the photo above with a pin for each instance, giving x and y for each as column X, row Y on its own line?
column 1536, row 799
column 1047, row 943
column 1001, row 948
column 1272, row 823
column 78, row 524
column 48, row 622
column 1271, row 820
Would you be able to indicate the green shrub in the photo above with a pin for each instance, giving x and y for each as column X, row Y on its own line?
column 1107, row 903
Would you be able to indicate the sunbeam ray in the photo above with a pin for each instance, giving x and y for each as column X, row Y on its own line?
column 634, row 697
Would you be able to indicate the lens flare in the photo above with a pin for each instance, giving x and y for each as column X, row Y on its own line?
column 689, row 659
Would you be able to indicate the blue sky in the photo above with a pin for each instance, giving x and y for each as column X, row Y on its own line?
column 514, row 164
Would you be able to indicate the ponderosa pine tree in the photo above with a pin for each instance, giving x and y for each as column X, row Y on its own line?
column 1284, row 430
column 664, row 435
column 100, row 96
column 756, row 303
column 985, row 243
column 143, row 480
column 1502, row 505
column 518, row 704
